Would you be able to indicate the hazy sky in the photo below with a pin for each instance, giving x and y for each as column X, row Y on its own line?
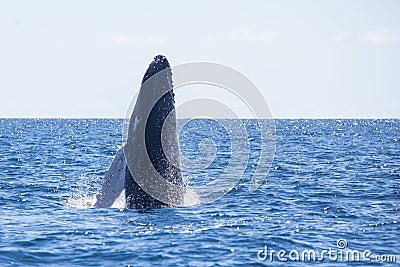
column 318, row 59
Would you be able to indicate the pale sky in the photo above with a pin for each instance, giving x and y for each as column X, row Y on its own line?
column 311, row 59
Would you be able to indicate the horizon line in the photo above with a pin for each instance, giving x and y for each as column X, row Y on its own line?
column 245, row 118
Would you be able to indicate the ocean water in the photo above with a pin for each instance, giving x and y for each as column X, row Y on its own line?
column 334, row 185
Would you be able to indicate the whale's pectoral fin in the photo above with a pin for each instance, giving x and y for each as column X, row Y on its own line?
column 113, row 182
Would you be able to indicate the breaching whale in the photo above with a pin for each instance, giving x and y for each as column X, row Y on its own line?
column 151, row 151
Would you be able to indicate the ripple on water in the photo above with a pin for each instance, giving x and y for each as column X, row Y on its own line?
column 330, row 179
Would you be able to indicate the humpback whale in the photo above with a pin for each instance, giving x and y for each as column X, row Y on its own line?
column 151, row 151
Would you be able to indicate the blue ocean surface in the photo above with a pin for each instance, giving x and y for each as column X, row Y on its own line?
column 333, row 189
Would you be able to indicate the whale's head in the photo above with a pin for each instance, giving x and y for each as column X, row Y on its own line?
column 158, row 64
column 157, row 85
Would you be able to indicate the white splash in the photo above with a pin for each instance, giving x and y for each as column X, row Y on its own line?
column 190, row 198
column 80, row 202
column 88, row 202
